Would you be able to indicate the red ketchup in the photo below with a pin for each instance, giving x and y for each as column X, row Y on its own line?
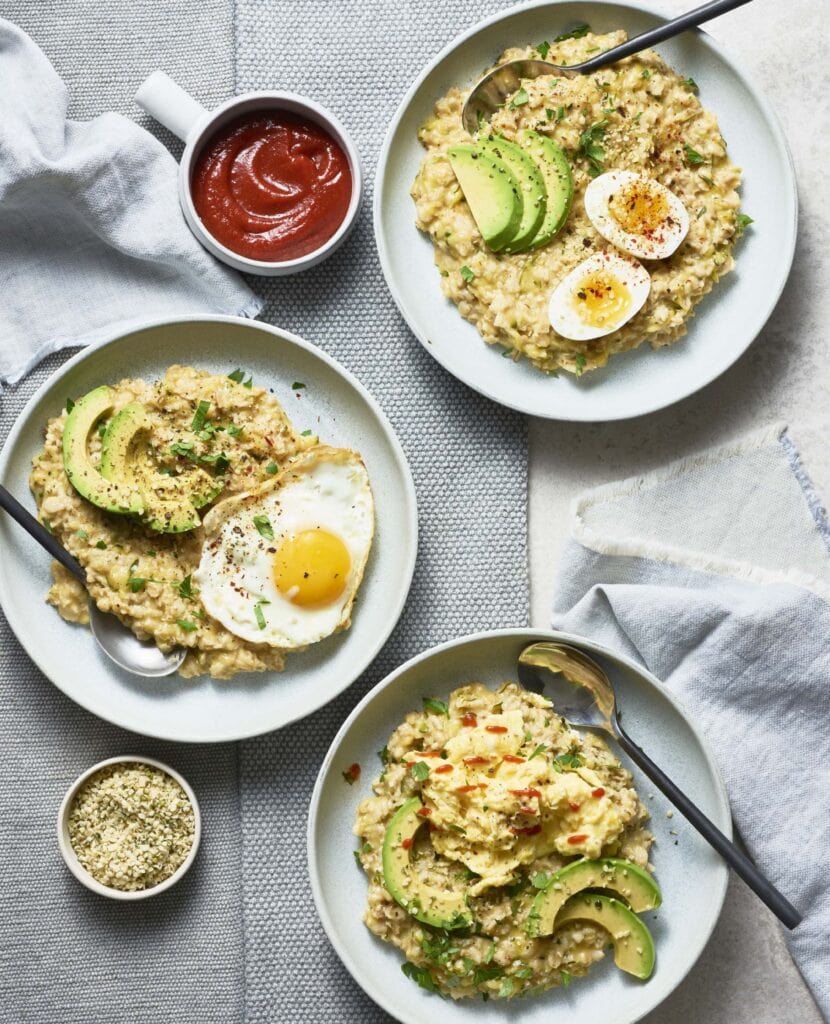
column 272, row 186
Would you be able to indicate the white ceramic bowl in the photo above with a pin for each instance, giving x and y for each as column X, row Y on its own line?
column 691, row 875
column 169, row 104
column 71, row 858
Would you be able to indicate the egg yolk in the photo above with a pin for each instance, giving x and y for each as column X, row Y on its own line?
column 638, row 207
column 601, row 299
column 312, row 567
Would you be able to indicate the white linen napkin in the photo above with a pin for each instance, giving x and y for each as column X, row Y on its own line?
column 92, row 238
column 715, row 574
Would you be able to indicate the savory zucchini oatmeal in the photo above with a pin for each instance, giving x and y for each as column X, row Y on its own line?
column 491, row 828
column 203, row 519
column 616, row 167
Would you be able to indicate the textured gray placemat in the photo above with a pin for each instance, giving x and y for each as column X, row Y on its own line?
column 468, row 457
column 243, row 942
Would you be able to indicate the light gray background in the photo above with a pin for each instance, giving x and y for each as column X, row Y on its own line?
column 745, row 976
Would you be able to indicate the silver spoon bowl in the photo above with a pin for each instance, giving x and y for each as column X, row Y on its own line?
column 493, row 91
column 582, row 693
column 121, row 645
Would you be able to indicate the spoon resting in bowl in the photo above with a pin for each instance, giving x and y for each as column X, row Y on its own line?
column 141, row 657
column 583, row 694
column 492, row 91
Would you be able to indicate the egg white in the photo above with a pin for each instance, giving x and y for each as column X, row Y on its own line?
column 653, row 245
column 325, row 488
column 563, row 308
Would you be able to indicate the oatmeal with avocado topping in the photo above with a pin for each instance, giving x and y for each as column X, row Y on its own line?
column 131, row 826
column 619, row 166
column 504, row 850
column 203, row 519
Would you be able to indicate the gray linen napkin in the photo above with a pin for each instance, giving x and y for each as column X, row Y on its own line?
column 726, row 601
column 93, row 239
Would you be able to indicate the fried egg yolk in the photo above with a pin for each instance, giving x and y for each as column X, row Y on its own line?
column 637, row 208
column 601, row 299
column 311, row 568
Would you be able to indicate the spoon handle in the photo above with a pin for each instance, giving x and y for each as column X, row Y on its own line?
column 662, row 32
column 738, row 861
column 40, row 533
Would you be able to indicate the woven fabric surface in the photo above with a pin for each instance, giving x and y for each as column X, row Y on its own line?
column 468, row 457
column 66, row 954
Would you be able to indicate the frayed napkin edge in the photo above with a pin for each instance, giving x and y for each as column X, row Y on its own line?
column 639, row 547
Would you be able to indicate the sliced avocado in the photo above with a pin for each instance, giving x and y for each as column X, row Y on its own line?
column 556, row 171
column 633, row 944
column 636, row 886
column 531, row 183
column 492, row 193
column 87, row 479
column 118, row 442
column 424, row 902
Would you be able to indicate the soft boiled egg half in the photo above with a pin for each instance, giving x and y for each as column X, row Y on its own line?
column 281, row 565
column 638, row 215
column 598, row 296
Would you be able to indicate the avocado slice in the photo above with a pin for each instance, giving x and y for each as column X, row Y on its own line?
column 169, row 502
column 492, row 193
column 633, row 944
column 532, row 185
column 113, row 495
column 556, row 171
column 424, row 902
column 636, row 886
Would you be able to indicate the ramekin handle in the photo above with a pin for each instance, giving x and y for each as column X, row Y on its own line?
column 169, row 104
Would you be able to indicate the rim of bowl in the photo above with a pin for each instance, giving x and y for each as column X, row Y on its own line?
column 71, row 858
column 281, row 100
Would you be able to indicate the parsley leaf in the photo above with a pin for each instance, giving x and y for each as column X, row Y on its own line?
column 467, row 274
column 420, row 771
column 567, row 761
column 101, row 545
column 271, row 468
column 743, row 221
column 519, row 99
column 566, row 977
column 234, row 431
column 575, row 33
column 306, row 433
column 136, row 583
column 384, row 755
column 185, row 588
column 581, row 362
column 646, row 73
column 691, row 84
column 258, row 613
column 186, row 625
column 264, row 528
column 487, row 972
column 543, row 49
column 237, row 376
column 70, row 405
column 437, row 707
column 421, row 975
column 297, row 385
column 693, row 158
column 589, row 145
column 199, row 416
column 539, row 750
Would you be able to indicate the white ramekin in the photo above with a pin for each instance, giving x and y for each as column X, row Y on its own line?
column 176, row 109
column 71, row 858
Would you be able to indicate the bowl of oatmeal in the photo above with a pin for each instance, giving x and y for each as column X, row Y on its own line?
column 129, row 827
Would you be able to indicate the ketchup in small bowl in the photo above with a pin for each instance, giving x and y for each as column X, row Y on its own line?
column 271, row 185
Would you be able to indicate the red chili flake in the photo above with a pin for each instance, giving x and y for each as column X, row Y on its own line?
column 598, row 792
column 406, row 844
column 469, row 719
column 527, row 810
column 495, row 728
column 268, row 441
column 476, row 760
column 352, row 774
column 513, row 759
column 424, row 811
column 531, row 830
column 443, row 768
column 469, row 789
column 574, row 807
column 580, row 837
column 526, row 792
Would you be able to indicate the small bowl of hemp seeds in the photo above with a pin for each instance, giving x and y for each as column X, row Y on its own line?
column 129, row 827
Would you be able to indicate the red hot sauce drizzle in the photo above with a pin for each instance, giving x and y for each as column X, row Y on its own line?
column 272, row 186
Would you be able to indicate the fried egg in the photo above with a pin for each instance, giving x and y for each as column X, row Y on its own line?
column 598, row 296
column 281, row 565
column 638, row 215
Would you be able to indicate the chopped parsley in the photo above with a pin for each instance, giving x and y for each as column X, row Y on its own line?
column 566, row 977
column 420, row 770
column 297, row 385
column 567, row 761
column 507, row 987
column 743, row 221
column 258, row 613
column 384, row 755
column 691, row 85
column 421, row 975
column 183, row 448
column 101, row 545
column 589, row 145
column 575, row 33
column 70, row 405
column 467, row 274
column 693, row 158
column 487, row 972
column 234, row 431
column 646, row 73
column 519, row 99
column 543, row 49
column 264, row 527
column 437, row 707
column 306, row 433
column 581, row 363
column 271, row 468
column 186, row 625
column 185, row 588
column 136, row 583
column 199, row 417
column 249, row 383
column 538, row 750
column 82, row 534
column 237, row 376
